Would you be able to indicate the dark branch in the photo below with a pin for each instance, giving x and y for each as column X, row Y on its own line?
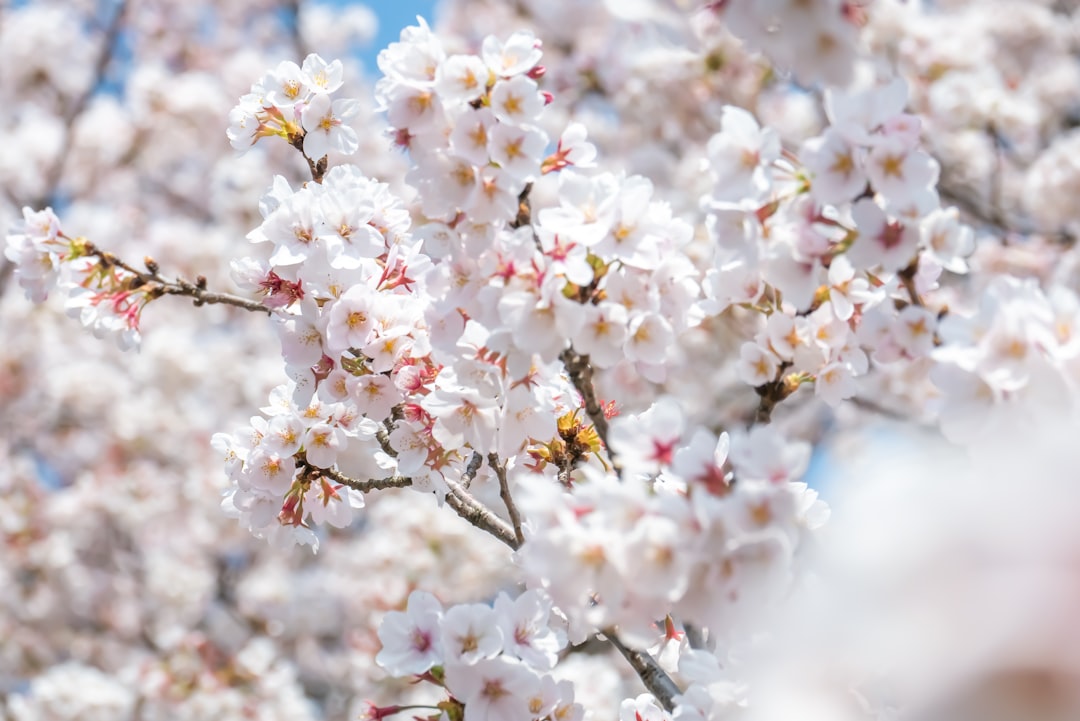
column 362, row 486
column 771, row 394
column 202, row 296
column 471, row 469
column 907, row 279
column 695, row 636
column 480, row 516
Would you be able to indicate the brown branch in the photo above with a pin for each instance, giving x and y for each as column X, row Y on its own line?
column 479, row 515
column 771, row 394
column 317, row 168
column 907, row 279
column 468, row 508
column 362, row 486
column 648, row 670
column 524, row 214
column 581, row 375
column 202, row 296
column 161, row 286
column 508, row 500
column 463, row 503
column 383, row 436
column 874, row 407
column 6, row 269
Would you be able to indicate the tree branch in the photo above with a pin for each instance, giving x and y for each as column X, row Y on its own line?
column 907, row 279
column 202, row 296
column 581, row 375
column 471, row 469
column 771, row 394
column 468, row 508
column 479, row 515
column 197, row 290
column 508, row 501
column 362, row 486
column 460, row 500
column 695, row 636
column 648, row 670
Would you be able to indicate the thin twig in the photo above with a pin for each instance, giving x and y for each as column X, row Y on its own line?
column 383, row 436
column 997, row 212
column 874, row 407
column 202, row 296
column 524, row 214
column 463, row 503
column 993, row 217
column 480, row 516
column 317, row 168
column 196, row 291
column 508, row 500
column 363, row 486
column 6, row 268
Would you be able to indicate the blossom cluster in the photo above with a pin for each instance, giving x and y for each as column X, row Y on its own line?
column 469, row 121
column 1014, row 359
column 293, row 102
column 353, row 339
column 835, row 251
column 451, row 334
column 491, row 660
column 607, row 370
column 106, row 298
column 688, row 532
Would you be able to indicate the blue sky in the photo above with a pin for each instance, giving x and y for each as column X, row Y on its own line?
column 393, row 16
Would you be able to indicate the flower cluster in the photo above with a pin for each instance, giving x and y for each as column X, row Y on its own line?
column 622, row 254
column 469, row 121
column 491, row 660
column 688, row 532
column 1011, row 361
column 836, row 252
column 293, row 102
column 106, row 297
column 274, row 463
column 36, row 248
column 606, row 371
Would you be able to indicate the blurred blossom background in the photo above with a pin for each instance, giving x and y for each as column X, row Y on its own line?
column 126, row 593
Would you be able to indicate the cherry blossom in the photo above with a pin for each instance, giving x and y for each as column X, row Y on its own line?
column 411, row 643
column 515, row 412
